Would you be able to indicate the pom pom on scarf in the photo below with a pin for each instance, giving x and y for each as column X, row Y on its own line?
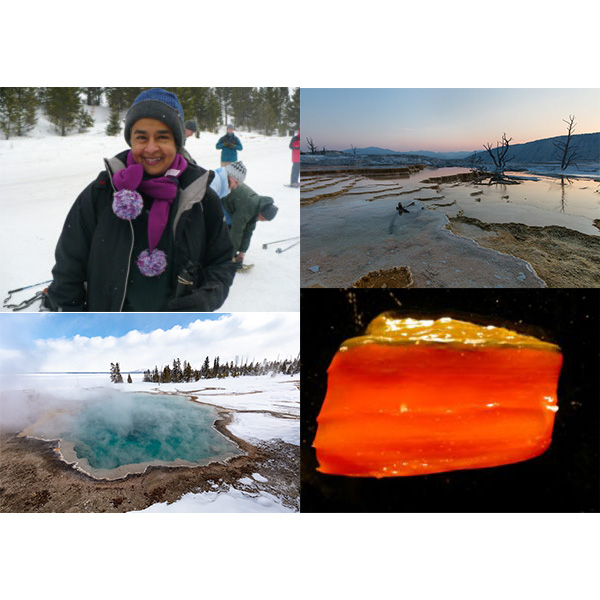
column 152, row 264
column 127, row 204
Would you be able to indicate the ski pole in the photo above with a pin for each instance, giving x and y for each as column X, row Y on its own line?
column 279, row 241
column 281, row 250
column 25, row 303
column 27, row 287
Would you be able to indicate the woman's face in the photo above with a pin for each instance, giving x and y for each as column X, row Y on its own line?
column 153, row 146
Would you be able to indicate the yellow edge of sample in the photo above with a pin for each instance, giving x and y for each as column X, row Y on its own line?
column 388, row 329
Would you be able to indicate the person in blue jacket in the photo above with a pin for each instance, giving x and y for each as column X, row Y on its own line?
column 229, row 145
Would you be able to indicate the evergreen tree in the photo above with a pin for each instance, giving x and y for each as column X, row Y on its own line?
column 188, row 373
column 205, row 371
column 215, row 369
column 155, row 376
column 241, row 106
column 63, row 108
column 18, row 110
column 224, row 96
column 176, row 373
column 118, row 374
column 115, row 373
column 129, row 380
column 292, row 112
column 166, row 375
column 113, row 127
column 84, row 120
column 93, row 95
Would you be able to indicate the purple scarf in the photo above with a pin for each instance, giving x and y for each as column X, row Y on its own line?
column 128, row 204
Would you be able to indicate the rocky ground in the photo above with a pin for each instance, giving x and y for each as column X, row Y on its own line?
column 33, row 479
column 561, row 257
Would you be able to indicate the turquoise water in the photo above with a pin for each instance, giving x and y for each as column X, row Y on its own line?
column 124, row 429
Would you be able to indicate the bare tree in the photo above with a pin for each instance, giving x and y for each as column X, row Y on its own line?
column 568, row 153
column 499, row 155
column 311, row 146
column 354, row 149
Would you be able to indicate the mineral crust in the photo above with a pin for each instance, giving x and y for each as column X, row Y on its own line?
column 412, row 397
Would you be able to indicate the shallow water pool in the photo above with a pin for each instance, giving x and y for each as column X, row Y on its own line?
column 115, row 434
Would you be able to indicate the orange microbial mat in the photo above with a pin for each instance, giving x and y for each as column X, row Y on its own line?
column 412, row 397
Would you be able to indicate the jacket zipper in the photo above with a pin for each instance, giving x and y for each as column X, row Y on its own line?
column 110, row 176
column 128, row 267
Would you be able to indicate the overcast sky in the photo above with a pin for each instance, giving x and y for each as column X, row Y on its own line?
column 42, row 342
column 441, row 119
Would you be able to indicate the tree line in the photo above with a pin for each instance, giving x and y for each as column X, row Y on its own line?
column 180, row 372
column 268, row 110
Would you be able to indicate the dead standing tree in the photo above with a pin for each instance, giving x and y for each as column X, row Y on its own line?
column 499, row 158
column 568, row 152
column 311, row 145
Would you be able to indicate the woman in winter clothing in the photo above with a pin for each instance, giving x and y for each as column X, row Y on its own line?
column 229, row 145
column 295, row 148
column 148, row 233
column 246, row 207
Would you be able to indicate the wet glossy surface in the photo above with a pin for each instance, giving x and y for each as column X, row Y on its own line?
column 415, row 397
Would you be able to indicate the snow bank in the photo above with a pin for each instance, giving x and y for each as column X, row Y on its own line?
column 230, row 501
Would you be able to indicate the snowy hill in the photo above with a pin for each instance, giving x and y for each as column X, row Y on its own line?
column 374, row 150
column 42, row 174
column 587, row 144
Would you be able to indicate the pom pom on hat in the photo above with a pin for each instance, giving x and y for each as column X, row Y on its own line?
column 237, row 170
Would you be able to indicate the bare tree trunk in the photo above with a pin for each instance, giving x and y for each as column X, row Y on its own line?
column 568, row 155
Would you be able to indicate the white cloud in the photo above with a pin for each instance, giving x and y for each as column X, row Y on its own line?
column 251, row 335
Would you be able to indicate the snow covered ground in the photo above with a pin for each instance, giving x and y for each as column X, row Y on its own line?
column 42, row 174
column 265, row 409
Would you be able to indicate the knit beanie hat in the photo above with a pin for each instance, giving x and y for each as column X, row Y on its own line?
column 191, row 125
column 269, row 212
column 158, row 104
column 237, row 170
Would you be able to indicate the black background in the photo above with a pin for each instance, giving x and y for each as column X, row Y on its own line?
column 563, row 479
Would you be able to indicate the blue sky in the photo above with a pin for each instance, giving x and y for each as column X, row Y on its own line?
column 441, row 119
column 29, row 327
column 32, row 342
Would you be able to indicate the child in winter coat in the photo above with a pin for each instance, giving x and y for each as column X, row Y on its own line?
column 226, row 180
column 246, row 207
column 229, row 145
column 148, row 233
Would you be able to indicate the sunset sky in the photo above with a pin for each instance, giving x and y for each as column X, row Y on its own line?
column 441, row 120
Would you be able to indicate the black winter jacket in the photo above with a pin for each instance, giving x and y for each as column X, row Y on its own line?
column 94, row 254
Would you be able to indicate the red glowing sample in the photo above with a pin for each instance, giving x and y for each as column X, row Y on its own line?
column 412, row 397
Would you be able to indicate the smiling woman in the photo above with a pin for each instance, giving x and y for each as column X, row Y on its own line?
column 148, row 234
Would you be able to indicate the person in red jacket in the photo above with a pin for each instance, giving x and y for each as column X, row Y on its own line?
column 295, row 148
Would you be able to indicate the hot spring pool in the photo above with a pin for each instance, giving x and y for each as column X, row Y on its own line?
column 113, row 434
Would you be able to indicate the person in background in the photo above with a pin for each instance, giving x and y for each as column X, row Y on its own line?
column 295, row 148
column 229, row 145
column 226, row 180
column 148, row 234
column 246, row 207
column 190, row 128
